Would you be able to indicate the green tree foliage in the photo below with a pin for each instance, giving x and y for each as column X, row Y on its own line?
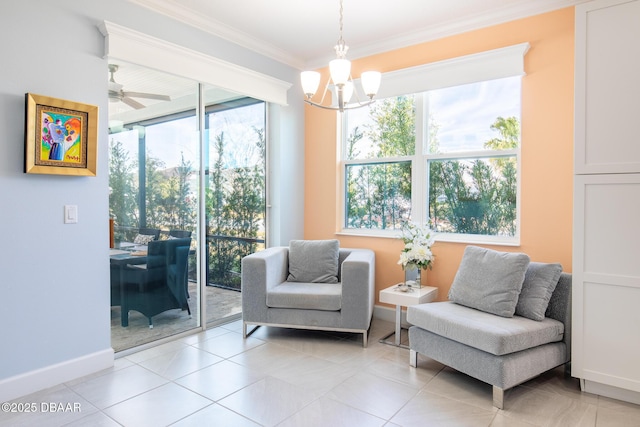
column 154, row 173
column 394, row 128
column 474, row 196
column 169, row 201
column 219, row 250
column 215, row 191
column 176, row 205
column 379, row 194
column 123, row 192
column 509, row 130
column 235, row 203
column 477, row 196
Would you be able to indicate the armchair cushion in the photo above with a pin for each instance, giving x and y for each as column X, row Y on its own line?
column 493, row 334
column 489, row 280
column 313, row 261
column 540, row 281
column 306, row 296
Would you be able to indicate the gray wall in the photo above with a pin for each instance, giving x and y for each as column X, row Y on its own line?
column 54, row 278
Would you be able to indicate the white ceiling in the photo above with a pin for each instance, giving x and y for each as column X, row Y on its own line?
column 302, row 33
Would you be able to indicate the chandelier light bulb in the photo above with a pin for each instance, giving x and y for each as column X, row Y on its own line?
column 340, row 70
column 370, row 82
column 310, row 81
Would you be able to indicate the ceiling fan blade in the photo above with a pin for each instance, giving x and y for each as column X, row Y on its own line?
column 132, row 103
column 147, row 95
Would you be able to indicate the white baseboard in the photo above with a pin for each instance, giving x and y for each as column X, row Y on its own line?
column 49, row 376
column 611, row 391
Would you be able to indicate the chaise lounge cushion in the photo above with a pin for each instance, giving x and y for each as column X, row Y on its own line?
column 143, row 239
column 313, row 261
column 489, row 280
column 540, row 281
column 475, row 328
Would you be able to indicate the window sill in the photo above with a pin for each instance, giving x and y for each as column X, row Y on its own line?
column 440, row 237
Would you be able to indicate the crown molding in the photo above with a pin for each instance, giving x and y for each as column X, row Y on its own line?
column 521, row 9
column 212, row 26
column 509, row 13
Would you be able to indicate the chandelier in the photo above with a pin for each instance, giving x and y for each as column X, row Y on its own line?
column 340, row 71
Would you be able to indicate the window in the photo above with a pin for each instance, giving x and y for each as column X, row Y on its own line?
column 379, row 153
column 449, row 155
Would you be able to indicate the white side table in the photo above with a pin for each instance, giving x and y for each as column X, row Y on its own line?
column 392, row 295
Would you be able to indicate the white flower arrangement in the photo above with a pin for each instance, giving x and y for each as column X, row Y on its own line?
column 418, row 240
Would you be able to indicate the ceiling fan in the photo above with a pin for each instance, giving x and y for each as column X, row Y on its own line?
column 117, row 94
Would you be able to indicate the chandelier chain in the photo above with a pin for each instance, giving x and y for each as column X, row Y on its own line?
column 341, row 19
column 341, row 47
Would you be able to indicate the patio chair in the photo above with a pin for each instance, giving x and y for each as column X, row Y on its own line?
column 181, row 234
column 160, row 284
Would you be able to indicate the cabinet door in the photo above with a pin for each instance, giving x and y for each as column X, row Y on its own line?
column 606, row 280
column 607, row 139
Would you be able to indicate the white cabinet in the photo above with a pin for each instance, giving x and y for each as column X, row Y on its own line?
column 607, row 82
column 606, row 283
column 606, row 243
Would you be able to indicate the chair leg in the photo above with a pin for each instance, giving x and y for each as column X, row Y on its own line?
column 150, row 323
column 124, row 316
column 413, row 358
column 498, row 397
column 365, row 339
column 245, row 330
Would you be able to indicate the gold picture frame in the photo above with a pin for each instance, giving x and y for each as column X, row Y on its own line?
column 61, row 137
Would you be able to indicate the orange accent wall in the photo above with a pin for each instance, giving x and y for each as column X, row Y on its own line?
column 547, row 147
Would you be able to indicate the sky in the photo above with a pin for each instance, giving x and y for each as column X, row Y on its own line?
column 463, row 113
column 170, row 140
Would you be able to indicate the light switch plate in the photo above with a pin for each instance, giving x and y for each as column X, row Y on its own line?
column 70, row 214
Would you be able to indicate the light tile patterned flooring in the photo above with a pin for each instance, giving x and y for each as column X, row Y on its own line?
column 289, row 378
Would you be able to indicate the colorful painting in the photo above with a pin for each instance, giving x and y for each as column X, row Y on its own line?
column 61, row 136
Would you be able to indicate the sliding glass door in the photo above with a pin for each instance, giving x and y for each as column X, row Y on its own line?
column 234, row 197
column 186, row 161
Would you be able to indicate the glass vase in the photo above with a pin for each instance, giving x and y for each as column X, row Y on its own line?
column 413, row 276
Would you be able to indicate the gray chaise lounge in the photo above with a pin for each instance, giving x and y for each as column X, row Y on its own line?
column 269, row 299
column 501, row 351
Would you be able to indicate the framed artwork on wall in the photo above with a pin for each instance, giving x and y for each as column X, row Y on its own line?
column 60, row 136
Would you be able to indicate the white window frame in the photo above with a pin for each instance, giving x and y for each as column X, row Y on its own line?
column 489, row 65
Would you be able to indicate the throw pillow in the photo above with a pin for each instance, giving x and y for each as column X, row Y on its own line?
column 540, row 281
column 489, row 280
column 143, row 239
column 313, row 261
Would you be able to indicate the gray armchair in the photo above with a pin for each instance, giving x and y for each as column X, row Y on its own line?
column 271, row 298
column 483, row 332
